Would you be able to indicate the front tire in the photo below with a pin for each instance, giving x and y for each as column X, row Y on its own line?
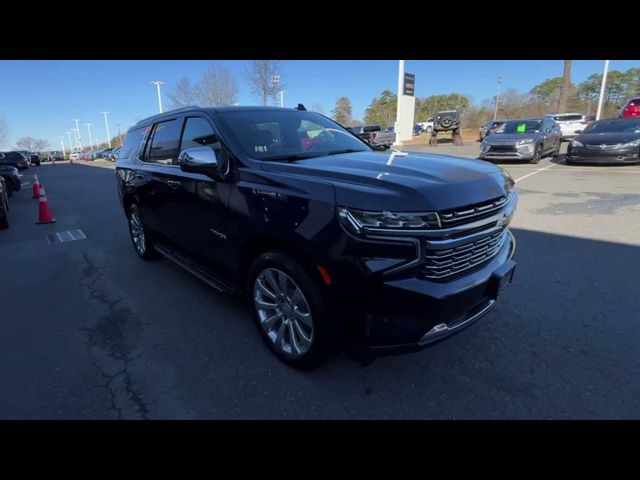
column 140, row 235
column 537, row 155
column 290, row 310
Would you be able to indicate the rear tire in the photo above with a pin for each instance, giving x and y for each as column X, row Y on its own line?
column 140, row 236
column 290, row 310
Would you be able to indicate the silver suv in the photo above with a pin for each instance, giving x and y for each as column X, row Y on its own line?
column 571, row 124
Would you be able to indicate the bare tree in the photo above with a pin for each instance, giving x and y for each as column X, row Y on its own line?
column 4, row 131
column 565, row 87
column 261, row 75
column 218, row 87
column 41, row 145
column 317, row 107
column 26, row 143
column 184, row 94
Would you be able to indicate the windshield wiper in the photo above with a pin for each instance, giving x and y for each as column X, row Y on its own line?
column 296, row 156
column 348, row 150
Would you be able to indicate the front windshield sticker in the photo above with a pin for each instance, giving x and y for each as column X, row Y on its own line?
column 522, row 127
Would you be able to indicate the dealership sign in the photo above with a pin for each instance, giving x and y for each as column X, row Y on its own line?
column 409, row 84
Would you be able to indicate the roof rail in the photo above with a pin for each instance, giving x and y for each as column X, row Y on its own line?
column 167, row 112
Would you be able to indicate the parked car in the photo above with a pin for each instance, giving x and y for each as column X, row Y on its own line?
column 12, row 179
column 4, row 205
column 607, row 141
column 571, row 124
column 526, row 139
column 330, row 242
column 446, row 121
column 75, row 155
column 113, row 155
column 55, row 155
column 631, row 108
column 489, row 127
column 427, row 126
column 105, row 153
column 15, row 159
column 417, row 129
column 34, row 158
column 374, row 135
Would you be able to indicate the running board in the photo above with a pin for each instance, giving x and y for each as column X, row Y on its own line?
column 194, row 269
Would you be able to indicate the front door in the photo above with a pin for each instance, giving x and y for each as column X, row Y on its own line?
column 201, row 225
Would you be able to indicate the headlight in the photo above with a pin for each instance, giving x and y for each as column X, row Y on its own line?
column 576, row 143
column 635, row 143
column 525, row 141
column 357, row 220
column 508, row 180
column 484, row 147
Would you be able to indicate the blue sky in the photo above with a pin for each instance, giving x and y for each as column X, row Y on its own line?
column 40, row 98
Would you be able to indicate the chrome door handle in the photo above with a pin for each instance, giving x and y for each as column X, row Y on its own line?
column 173, row 183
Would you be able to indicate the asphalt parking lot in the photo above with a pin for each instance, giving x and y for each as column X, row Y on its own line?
column 90, row 331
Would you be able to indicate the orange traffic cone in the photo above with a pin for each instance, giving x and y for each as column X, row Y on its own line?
column 45, row 215
column 36, row 188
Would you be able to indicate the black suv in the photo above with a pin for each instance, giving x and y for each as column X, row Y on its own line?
column 447, row 121
column 328, row 239
column 14, row 159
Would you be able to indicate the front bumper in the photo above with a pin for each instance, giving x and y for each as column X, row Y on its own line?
column 411, row 314
column 513, row 154
column 587, row 155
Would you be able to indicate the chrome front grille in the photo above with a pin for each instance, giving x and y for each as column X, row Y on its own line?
column 472, row 212
column 442, row 263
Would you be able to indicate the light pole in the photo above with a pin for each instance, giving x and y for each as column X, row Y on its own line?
column 78, row 132
column 64, row 152
column 281, row 93
column 70, row 144
column 97, row 143
column 106, row 123
column 495, row 112
column 399, row 96
column 602, row 87
column 88, row 125
column 157, row 83
column 119, row 134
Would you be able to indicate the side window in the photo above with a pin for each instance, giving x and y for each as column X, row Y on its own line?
column 198, row 133
column 130, row 149
column 164, row 146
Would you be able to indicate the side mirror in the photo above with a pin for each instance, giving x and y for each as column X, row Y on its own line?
column 198, row 159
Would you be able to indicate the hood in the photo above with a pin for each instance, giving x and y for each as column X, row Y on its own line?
column 607, row 138
column 511, row 138
column 416, row 182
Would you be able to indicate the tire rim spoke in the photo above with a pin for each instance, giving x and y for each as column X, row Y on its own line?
column 284, row 312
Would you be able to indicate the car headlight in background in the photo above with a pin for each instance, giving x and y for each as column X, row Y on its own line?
column 484, row 147
column 525, row 141
column 357, row 220
column 576, row 143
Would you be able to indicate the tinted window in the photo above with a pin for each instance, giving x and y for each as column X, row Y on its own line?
column 630, row 125
column 131, row 147
column 371, row 128
column 272, row 134
column 197, row 133
column 164, row 143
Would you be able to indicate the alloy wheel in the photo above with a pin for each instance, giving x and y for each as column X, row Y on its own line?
column 283, row 312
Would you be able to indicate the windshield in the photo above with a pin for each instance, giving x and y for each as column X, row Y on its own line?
column 288, row 134
column 520, row 126
column 627, row 125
